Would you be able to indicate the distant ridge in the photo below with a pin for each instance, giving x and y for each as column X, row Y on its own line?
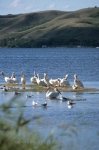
column 51, row 29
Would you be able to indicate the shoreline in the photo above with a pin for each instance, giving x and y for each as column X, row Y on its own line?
column 37, row 88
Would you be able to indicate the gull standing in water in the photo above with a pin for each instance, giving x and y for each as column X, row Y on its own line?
column 44, row 104
column 70, row 103
column 34, row 103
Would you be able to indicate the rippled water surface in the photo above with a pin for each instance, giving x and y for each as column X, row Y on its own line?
column 55, row 61
column 76, row 128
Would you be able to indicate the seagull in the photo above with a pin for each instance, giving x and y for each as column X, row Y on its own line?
column 34, row 103
column 16, row 93
column 70, row 103
column 29, row 96
column 64, row 99
column 44, row 104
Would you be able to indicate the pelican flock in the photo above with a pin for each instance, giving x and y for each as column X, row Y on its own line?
column 45, row 81
column 51, row 85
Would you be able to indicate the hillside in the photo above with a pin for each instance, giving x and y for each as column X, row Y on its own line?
column 51, row 28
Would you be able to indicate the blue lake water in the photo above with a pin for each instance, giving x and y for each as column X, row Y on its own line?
column 76, row 128
column 55, row 61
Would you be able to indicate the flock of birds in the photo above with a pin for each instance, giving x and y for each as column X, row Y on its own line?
column 55, row 94
column 52, row 93
column 45, row 81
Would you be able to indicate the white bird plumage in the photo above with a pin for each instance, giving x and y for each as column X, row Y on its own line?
column 70, row 103
column 54, row 82
column 34, row 103
column 77, row 83
column 13, row 77
column 46, row 79
column 23, row 80
column 41, row 82
column 9, row 79
column 33, row 79
column 64, row 82
column 52, row 94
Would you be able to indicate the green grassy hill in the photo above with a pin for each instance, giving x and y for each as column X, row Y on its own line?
column 51, row 28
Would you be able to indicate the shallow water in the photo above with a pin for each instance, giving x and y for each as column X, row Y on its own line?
column 76, row 128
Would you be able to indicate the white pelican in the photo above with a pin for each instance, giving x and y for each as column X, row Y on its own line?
column 11, row 79
column 33, row 79
column 41, row 82
column 46, row 79
column 77, row 83
column 53, row 94
column 54, row 82
column 64, row 82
